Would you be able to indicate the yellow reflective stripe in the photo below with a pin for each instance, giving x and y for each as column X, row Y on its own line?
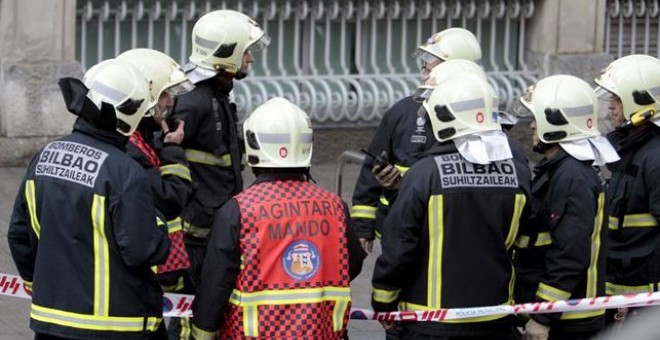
column 408, row 306
column 30, row 198
column 436, row 239
column 251, row 321
column 543, row 239
column 522, row 241
column 174, row 225
column 290, row 296
column 378, row 234
column 613, row 223
column 197, row 156
column 582, row 314
column 519, row 204
column 199, row 334
column 194, row 230
column 101, row 258
column 178, row 170
column 384, row 201
column 363, row 211
column 639, row 221
column 385, row 296
column 175, row 287
column 616, row 289
column 402, row 169
column 94, row 322
column 592, row 271
column 549, row 293
column 338, row 315
column 186, row 330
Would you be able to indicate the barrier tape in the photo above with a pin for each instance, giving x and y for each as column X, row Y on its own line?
column 180, row 305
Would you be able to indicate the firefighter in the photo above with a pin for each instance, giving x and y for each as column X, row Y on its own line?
column 83, row 231
column 633, row 261
column 458, row 207
column 281, row 253
column 155, row 145
column 222, row 45
column 560, row 252
column 402, row 136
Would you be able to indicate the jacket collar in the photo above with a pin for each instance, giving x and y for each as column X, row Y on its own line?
column 111, row 137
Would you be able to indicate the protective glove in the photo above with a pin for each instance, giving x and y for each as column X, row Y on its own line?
column 536, row 331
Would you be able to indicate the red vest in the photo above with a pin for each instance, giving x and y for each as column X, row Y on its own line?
column 294, row 281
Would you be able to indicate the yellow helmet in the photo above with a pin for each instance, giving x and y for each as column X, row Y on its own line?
column 163, row 73
column 565, row 108
column 219, row 41
column 121, row 85
column 278, row 134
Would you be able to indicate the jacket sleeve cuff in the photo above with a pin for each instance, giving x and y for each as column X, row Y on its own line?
column 200, row 334
column 383, row 300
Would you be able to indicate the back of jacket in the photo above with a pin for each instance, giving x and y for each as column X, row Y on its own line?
column 213, row 148
column 83, row 234
column 560, row 251
column 446, row 242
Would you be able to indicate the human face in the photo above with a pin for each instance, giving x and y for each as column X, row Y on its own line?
column 615, row 106
column 535, row 137
column 165, row 103
column 245, row 63
column 428, row 64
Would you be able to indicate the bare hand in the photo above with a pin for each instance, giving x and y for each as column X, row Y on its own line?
column 536, row 331
column 175, row 136
column 389, row 176
column 367, row 245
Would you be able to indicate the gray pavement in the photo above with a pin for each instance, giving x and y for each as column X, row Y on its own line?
column 14, row 313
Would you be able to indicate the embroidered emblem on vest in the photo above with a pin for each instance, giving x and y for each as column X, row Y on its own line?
column 301, row 260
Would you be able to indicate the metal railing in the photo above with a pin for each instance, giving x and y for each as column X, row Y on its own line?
column 343, row 61
column 632, row 27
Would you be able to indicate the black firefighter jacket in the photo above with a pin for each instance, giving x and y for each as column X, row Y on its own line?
column 560, row 251
column 405, row 136
column 633, row 257
column 213, row 148
column 447, row 240
column 83, row 233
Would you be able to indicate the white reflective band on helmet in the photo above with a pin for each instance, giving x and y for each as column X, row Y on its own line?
column 655, row 91
column 108, row 92
column 205, row 43
column 578, row 111
column 274, row 138
column 467, row 105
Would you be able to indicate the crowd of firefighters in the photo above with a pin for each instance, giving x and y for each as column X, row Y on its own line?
column 146, row 195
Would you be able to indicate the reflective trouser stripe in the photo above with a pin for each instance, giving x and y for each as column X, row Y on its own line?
column 549, row 293
column 436, row 239
column 196, row 156
column 94, row 322
column 199, row 334
column 542, row 239
column 178, row 170
column 633, row 221
column 582, row 314
column 520, row 201
column 101, row 258
column 30, row 198
column 385, row 296
column 616, row 289
column 185, row 328
column 363, row 211
column 194, row 230
column 250, row 302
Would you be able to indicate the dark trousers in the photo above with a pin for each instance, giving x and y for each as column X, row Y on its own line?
column 179, row 328
column 408, row 334
column 159, row 334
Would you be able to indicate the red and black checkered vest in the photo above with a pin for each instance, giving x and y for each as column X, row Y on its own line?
column 294, row 281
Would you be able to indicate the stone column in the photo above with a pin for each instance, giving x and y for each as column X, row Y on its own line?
column 37, row 47
column 566, row 36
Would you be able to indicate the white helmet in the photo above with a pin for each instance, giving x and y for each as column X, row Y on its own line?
column 163, row 73
column 278, row 134
column 448, row 44
column 635, row 79
column 219, row 41
column 121, row 85
column 565, row 108
column 460, row 105
column 444, row 70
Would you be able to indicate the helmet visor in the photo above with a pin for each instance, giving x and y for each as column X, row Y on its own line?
column 422, row 93
column 519, row 109
column 426, row 57
column 261, row 42
column 604, row 94
column 180, row 88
